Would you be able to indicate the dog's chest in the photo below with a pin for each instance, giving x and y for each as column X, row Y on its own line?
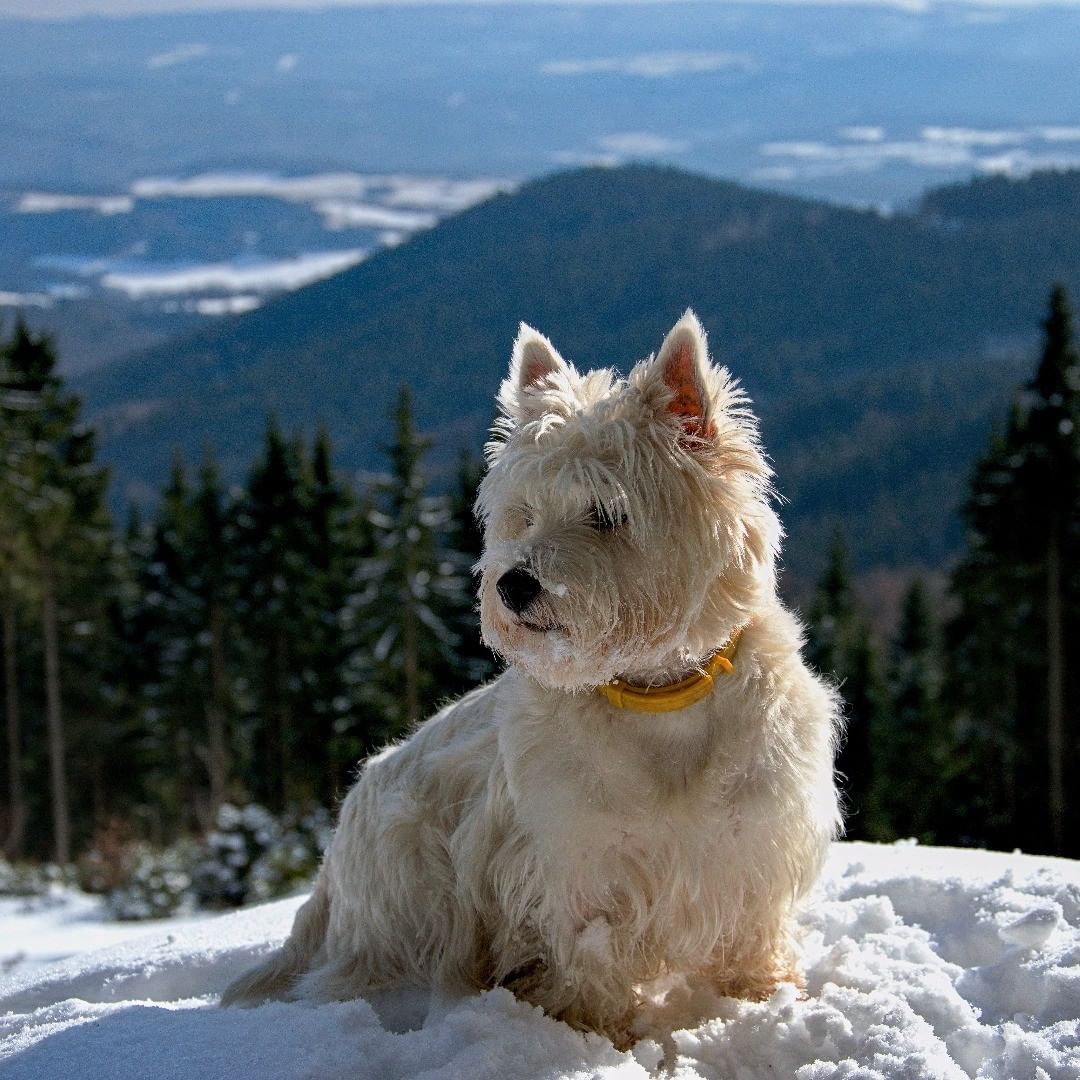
column 624, row 797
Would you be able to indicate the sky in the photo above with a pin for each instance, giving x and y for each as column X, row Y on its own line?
column 53, row 9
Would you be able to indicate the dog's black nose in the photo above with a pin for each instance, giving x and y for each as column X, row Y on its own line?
column 518, row 589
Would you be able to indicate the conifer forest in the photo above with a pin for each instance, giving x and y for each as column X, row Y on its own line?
column 187, row 693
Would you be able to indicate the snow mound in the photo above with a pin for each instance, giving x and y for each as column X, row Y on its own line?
column 921, row 962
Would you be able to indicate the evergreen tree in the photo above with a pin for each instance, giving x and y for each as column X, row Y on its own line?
column 339, row 537
column 59, row 511
column 1050, row 478
column 106, row 733
column 411, row 589
column 279, row 619
column 167, row 627
column 914, row 751
column 214, row 598
column 832, row 612
column 140, row 770
column 476, row 662
column 988, row 652
column 15, row 830
column 187, row 622
column 841, row 647
column 14, row 581
column 1019, row 619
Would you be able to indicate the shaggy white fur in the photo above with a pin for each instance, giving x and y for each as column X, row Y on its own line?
column 533, row 835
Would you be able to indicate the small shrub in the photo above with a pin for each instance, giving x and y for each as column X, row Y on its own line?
column 293, row 861
column 107, row 863
column 158, row 883
column 23, row 879
column 251, row 855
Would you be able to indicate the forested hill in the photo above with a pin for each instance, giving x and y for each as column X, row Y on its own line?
column 878, row 349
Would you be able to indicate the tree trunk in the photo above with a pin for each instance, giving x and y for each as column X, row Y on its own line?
column 1005, row 765
column 410, row 657
column 218, row 763
column 13, row 843
column 1055, row 691
column 283, row 719
column 54, row 716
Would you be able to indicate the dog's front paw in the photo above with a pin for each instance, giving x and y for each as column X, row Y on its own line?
column 757, row 984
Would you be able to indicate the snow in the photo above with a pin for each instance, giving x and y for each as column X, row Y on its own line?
column 38, row 930
column 642, row 144
column 251, row 276
column 865, row 148
column 16, row 299
column 660, row 65
column 182, row 54
column 439, row 193
column 339, row 214
column 434, row 193
column 921, row 962
column 226, row 305
column 392, row 206
column 252, row 184
column 42, row 202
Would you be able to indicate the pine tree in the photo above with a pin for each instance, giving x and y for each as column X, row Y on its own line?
column 60, row 513
column 1019, row 619
column 211, row 540
column 476, row 662
column 841, row 647
column 832, row 612
column 105, row 763
column 338, row 539
column 16, row 798
column 279, row 618
column 988, row 652
column 137, row 771
column 188, row 595
column 410, row 589
column 14, row 572
column 1050, row 476
column 914, row 751
column 167, row 628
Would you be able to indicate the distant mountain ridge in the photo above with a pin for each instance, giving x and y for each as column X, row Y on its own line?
column 878, row 349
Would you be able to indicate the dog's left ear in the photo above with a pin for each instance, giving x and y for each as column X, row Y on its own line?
column 681, row 363
column 534, row 363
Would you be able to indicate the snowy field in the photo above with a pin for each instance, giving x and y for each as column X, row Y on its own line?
column 921, row 962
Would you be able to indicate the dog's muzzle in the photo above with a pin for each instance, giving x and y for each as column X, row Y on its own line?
column 518, row 589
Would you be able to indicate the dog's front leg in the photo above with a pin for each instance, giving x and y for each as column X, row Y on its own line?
column 753, row 967
column 605, row 999
column 580, row 984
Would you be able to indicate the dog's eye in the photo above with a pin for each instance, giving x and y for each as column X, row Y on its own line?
column 517, row 521
column 603, row 520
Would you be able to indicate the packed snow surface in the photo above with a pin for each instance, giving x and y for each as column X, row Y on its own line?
column 920, row 962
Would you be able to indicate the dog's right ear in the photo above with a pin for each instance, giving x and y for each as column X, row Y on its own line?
column 535, row 366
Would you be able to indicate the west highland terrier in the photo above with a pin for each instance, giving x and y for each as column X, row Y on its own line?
column 648, row 788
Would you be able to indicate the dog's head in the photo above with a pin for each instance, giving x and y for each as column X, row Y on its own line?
column 628, row 522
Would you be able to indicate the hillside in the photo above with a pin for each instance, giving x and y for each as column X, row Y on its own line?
column 878, row 349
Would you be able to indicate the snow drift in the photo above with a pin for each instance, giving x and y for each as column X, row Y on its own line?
column 921, row 962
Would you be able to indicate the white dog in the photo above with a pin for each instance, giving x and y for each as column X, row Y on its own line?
column 648, row 788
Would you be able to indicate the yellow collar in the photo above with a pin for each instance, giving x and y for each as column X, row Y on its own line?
column 679, row 695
